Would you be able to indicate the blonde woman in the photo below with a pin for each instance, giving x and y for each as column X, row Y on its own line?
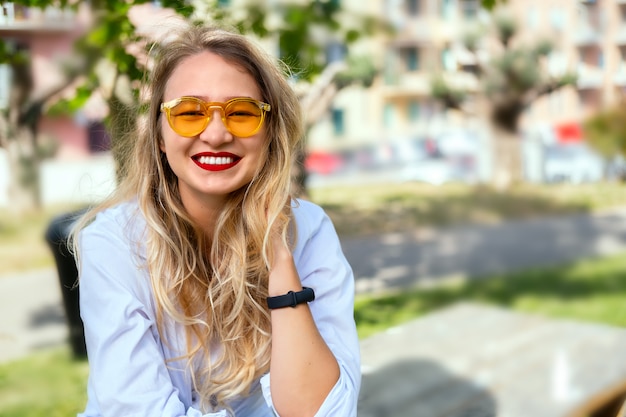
column 205, row 289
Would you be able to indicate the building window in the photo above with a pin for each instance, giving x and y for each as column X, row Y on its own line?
column 5, row 83
column 411, row 58
column 532, row 18
column 601, row 59
column 470, row 9
column 447, row 9
column 389, row 116
column 447, row 60
column 557, row 19
column 338, row 122
column 413, row 7
column 98, row 137
column 414, row 110
column 335, row 52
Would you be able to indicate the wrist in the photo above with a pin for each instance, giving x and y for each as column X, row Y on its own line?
column 291, row 298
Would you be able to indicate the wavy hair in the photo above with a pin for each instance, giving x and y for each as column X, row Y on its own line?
column 215, row 286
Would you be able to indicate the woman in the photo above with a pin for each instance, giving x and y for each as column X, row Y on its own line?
column 205, row 289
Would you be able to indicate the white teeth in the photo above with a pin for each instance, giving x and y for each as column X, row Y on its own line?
column 215, row 160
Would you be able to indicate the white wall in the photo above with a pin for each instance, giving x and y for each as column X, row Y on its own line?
column 4, row 179
column 67, row 181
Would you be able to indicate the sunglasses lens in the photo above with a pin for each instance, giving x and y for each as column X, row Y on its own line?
column 243, row 118
column 188, row 118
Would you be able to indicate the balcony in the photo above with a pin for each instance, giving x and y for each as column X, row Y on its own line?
column 590, row 77
column 619, row 77
column 407, row 84
column 587, row 36
column 419, row 29
column 620, row 35
column 17, row 18
column 419, row 84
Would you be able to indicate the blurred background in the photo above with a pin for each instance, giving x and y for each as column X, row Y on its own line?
column 420, row 115
column 430, row 91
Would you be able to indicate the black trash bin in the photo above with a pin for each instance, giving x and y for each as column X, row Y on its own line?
column 57, row 237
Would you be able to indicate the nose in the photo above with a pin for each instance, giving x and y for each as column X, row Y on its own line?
column 215, row 132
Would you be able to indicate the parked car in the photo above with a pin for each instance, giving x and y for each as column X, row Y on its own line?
column 574, row 163
column 323, row 163
column 435, row 171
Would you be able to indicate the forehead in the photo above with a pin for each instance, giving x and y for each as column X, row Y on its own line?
column 211, row 77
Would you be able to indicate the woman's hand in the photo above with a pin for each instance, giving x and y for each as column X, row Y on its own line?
column 303, row 370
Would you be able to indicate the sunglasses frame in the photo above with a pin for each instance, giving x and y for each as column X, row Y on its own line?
column 209, row 107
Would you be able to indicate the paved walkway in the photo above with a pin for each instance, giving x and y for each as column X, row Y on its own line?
column 32, row 313
column 33, row 316
column 396, row 261
column 485, row 361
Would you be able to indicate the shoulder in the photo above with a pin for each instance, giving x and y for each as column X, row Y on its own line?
column 123, row 222
column 312, row 223
column 308, row 215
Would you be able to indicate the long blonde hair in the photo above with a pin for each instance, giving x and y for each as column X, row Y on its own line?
column 215, row 287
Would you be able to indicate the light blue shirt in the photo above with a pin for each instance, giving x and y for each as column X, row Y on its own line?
column 128, row 374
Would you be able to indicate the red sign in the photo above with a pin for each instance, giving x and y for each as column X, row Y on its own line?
column 568, row 132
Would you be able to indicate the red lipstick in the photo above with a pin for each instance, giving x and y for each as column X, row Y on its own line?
column 216, row 161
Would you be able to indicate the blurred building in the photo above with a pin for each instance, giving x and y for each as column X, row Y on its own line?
column 589, row 38
column 48, row 36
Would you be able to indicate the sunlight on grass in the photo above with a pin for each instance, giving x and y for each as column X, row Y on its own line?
column 590, row 290
column 49, row 384
column 368, row 209
column 22, row 239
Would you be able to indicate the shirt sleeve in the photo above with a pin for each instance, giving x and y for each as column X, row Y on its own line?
column 128, row 375
column 322, row 266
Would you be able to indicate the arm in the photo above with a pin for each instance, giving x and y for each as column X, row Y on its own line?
column 314, row 366
column 303, row 369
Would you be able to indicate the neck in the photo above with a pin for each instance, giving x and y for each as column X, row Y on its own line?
column 204, row 211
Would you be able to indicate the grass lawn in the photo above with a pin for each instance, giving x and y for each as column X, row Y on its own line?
column 49, row 384
column 369, row 209
column 589, row 290
column 22, row 239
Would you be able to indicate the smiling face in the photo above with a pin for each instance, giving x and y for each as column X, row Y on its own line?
column 214, row 163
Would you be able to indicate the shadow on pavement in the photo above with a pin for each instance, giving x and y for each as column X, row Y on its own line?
column 401, row 260
column 47, row 314
column 421, row 388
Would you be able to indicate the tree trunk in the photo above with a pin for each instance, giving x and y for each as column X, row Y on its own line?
column 24, row 166
column 508, row 168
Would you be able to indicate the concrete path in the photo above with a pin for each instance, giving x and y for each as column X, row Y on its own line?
column 400, row 260
column 32, row 313
column 33, row 316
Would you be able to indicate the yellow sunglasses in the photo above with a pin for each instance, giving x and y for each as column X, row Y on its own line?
column 189, row 116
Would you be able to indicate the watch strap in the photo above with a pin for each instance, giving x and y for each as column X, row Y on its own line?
column 291, row 299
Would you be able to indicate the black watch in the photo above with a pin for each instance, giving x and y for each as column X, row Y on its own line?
column 291, row 299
